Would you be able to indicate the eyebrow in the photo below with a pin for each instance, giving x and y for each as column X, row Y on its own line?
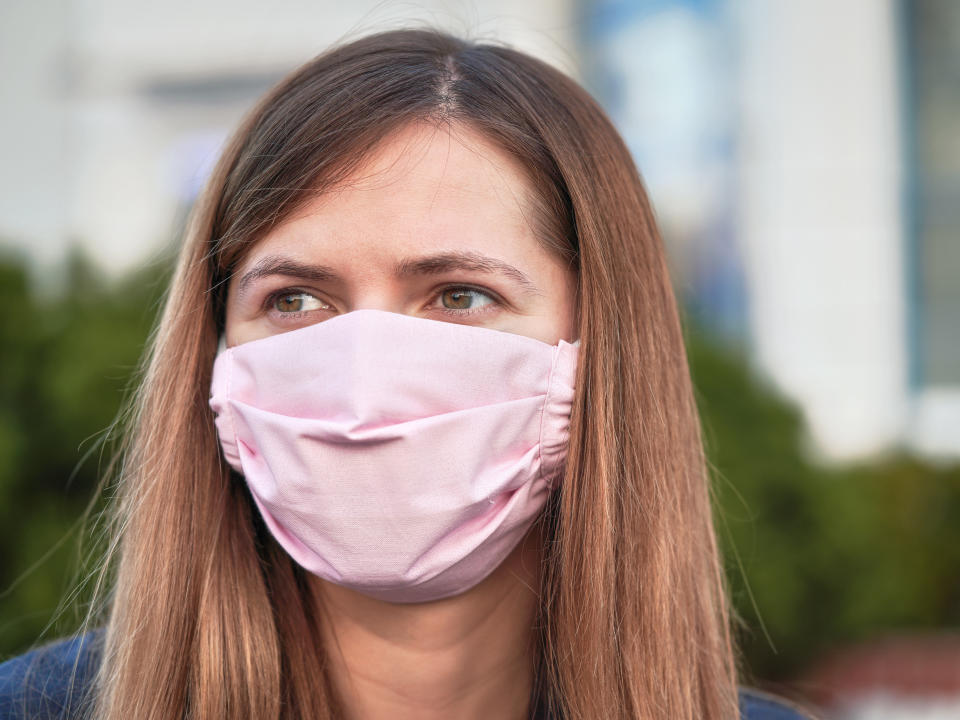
column 427, row 265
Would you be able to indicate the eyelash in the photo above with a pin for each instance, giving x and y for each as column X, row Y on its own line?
column 496, row 302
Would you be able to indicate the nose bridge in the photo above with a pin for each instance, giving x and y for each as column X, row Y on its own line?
column 369, row 273
column 377, row 291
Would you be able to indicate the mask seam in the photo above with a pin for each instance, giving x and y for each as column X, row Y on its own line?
column 543, row 414
column 229, row 403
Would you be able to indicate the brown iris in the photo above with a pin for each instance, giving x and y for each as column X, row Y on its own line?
column 457, row 298
column 289, row 303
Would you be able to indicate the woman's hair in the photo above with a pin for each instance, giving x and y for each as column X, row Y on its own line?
column 209, row 618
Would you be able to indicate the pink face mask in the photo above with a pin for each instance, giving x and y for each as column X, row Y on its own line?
column 401, row 457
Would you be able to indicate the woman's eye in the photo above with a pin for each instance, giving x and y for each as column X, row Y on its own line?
column 464, row 299
column 295, row 302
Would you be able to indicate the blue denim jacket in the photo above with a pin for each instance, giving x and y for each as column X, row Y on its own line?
column 52, row 683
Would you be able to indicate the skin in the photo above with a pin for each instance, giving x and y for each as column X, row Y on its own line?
column 450, row 195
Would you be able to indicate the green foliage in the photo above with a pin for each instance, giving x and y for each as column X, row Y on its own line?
column 67, row 361
column 821, row 556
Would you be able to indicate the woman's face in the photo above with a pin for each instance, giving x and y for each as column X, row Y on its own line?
column 436, row 224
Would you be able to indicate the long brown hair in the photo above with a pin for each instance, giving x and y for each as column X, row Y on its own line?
column 208, row 618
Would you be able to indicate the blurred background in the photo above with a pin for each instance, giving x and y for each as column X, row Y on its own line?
column 804, row 160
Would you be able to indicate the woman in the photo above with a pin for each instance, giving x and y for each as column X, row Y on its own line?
column 446, row 461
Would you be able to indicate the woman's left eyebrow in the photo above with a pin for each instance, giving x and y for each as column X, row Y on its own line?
column 426, row 265
column 464, row 260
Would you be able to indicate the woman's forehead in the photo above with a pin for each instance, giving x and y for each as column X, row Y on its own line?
column 423, row 189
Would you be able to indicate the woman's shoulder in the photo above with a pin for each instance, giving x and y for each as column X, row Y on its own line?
column 757, row 705
column 51, row 681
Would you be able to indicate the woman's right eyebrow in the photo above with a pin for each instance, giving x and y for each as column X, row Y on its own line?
column 276, row 265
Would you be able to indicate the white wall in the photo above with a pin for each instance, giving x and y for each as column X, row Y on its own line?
column 821, row 217
column 34, row 132
column 94, row 154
